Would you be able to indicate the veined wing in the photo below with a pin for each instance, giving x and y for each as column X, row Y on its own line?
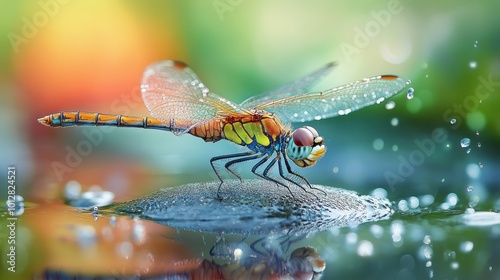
column 293, row 88
column 336, row 101
column 174, row 94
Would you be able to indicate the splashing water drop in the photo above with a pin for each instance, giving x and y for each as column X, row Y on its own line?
column 410, row 93
column 453, row 121
column 390, row 105
column 394, row 121
column 465, row 142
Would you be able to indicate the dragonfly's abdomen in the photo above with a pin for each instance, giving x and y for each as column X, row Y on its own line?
column 260, row 129
column 64, row 119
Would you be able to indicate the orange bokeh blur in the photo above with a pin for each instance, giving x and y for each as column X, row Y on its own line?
column 62, row 69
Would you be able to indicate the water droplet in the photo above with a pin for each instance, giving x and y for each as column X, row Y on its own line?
column 365, row 248
column 468, row 151
column 426, row 200
column 351, row 238
column 379, row 192
column 403, row 205
column 442, row 180
column 469, row 210
column 378, row 144
column 473, row 170
column 479, row 144
column 427, row 240
column 470, row 188
column 390, row 105
column 477, row 133
column 453, row 121
column 395, row 148
column 473, row 64
column 414, row 202
column 410, row 93
column 480, row 165
column 452, row 199
column 335, row 169
column 394, row 121
column 454, row 265
column 377, row 231
column 465, row 142
column 475, row 44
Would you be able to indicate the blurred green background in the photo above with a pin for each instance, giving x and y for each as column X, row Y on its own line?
column 90, row 55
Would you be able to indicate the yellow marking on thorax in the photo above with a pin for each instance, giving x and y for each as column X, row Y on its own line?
column 231, row 135
column 256, row 129
column 238, row 128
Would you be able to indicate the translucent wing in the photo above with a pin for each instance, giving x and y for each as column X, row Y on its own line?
column 174, row 94
column 336, row 101
column 293, row 88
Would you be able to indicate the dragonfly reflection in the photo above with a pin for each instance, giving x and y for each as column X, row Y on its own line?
column 179, row 102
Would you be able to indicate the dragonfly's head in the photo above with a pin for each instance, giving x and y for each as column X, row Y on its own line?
column 305, row 146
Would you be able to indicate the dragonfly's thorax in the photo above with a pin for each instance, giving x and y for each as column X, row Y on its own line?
column 304, row 146
column 258, row 130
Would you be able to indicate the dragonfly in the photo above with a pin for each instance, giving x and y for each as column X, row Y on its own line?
column 180, row 102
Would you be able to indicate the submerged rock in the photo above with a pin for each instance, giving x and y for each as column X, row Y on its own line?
column 255, row 207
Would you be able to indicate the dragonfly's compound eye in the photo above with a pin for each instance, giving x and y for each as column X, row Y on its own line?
column 303, row 137
column 306, row 148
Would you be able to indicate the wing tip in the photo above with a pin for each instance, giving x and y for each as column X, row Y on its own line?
column 389, row 77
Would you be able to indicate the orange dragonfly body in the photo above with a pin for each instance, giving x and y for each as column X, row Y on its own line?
column 179, row 102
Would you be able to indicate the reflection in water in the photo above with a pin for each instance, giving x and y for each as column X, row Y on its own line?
column 266, row 258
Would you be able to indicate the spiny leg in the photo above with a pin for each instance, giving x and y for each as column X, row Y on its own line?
column 217, row 158
column 232, row 162
column 266, row 171
column 290, row 171
column 292, row 181
column 280, row 169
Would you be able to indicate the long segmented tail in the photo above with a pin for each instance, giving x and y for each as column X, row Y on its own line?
column 65, row 119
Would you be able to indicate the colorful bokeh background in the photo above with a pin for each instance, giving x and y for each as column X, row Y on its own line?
column 89, row 55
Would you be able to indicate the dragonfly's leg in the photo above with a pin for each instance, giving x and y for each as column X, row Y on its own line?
column 257, row 242
column 268, row 168
column 280, row 169
column 294, row 174
column 290, row 171
column 214, row 159
column 264, row 174
column 243, row 159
